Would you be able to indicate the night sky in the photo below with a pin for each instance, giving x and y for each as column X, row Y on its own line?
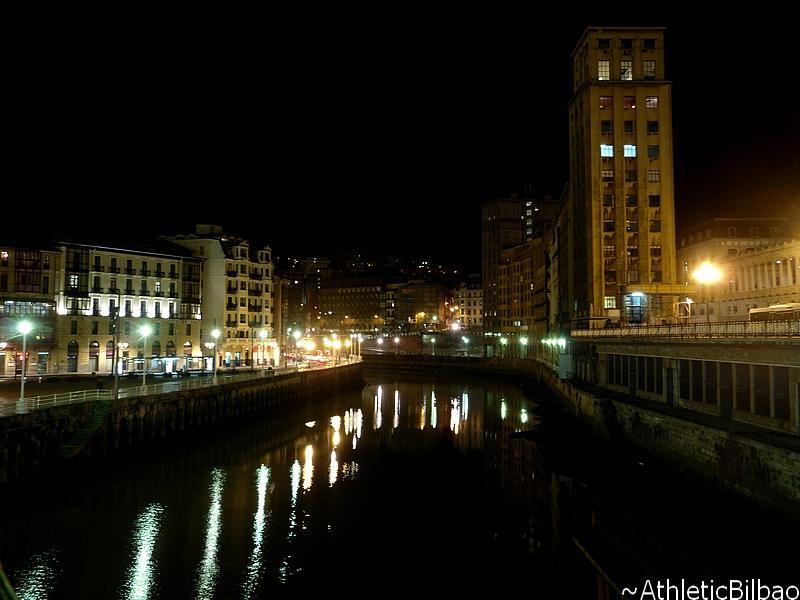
column 385, row 138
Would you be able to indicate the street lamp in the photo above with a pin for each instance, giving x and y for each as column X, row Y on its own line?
column 503, row 342
column 433, row 346
column 396, row 345
column 465, row 339
column 524, row 342
column 263, row 335
column 24, row 328
column 145, row 330
column 215, row 335
column 707, row 274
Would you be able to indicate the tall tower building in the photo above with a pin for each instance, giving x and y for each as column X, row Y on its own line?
column 621, row 204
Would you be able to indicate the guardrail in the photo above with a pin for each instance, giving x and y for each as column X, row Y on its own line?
column 731, row 329
column 49, row 401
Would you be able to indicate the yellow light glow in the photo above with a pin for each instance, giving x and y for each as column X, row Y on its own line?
column 707, row 273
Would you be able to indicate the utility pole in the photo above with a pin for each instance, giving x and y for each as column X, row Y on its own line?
column 115, row 361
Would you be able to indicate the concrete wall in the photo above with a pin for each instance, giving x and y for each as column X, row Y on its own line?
column 29, row 442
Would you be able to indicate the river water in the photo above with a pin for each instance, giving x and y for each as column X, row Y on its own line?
column 427, row 486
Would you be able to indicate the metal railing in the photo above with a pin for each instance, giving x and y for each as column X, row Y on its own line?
column 730, row 329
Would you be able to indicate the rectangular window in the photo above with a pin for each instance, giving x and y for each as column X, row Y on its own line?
column 649, row 69
column 633, row 276
column 171, row 329
column 754, row 232
column 655, row 226
column 606, row 102
column 653, row 151
column 732, row 232
column 654, row 176
column 633, row 251
column 656, row 276
column 46, row 284
column 188, row 329
column 649, row 44
column 609, row 302
column 609, row 251
column 629, row 126
column 631, row 200
column 606, row 151
column 608, row 199
column 606, row 126
column 73, row 327
column 628, row 102
column 607, row 174
column 95, row 327
column 611, row 276
column 608, row 225
column 630, row 175
column 603, row 43
column 242, row 318
column 143, row 308
column 603, row 70
column 652, row 127
column 654, row 201
column 633, row 226
column 626, row 70
column 655, row 251
column 629, row 151
column 626, row 44
column 651, row 102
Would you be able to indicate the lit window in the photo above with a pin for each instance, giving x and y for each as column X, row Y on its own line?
column 651, row 102
column 649, row 69
column 607, row 174
column 626, row 70
column 654, row 175
column 629, row 151
column 603, row 70
column 606, row 101
column 628, row 102
column 609, row 302
column 606, row 150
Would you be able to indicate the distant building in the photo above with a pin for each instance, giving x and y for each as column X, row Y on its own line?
column 619, row 229
column 469, row 300
column 351, row 303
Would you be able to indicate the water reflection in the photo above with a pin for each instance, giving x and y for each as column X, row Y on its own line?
column 209, row 568
column 141, row 573
column 38, row 581
column 308, row 468
column 259, row 524
column 333, row 472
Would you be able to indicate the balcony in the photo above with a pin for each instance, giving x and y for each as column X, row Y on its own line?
column 97, row 290
column 158, row 314
column 113, row 269
column 160, row 274
column 144, row 293
column 146, row 272
column 232, row 289
column 256, row 276
column 173, row 274
column 113, row 290
column 129, row 291
column 99, row 268
column 230, row 323
column 230, row 306
column 158, row 294
column 232, row 273
column 130, row 271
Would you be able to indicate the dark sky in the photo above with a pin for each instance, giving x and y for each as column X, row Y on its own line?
column 384, row 136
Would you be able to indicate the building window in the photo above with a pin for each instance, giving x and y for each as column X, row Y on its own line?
column 606, row 126
column 754, row 232
column 633, row 227
column 626, row 44
column 73, row 281
column 143, row 308
column 171, row 329
column 652, row 127
column 651, row 102
column 242, row 318
column 655, row 226
column 653, row 151
column 95, row 327
column 609, row 251
column 649, row 44
column 608, row 225
column 606, row 102
column 629, row 151
column 626, row 70
column 46, row 284
column 607, row 174
column 73, row 327
column 732, row 252
column 654, row 201
column 628, row 102
column 654, row 175
column 606, row 151
column 649, row 69
column 655, row 251
column 633, row 276
column 188, row 329
column 631, row 200
column 656, row 276
column 603, row 70
column 633, row 252
column 630, row 175
column 731, row 232
column 629, row 126
column 609, row 302
column 611, row 276
column 127, row 327
column 603, row 43
column 774, row 232
column 608, row 199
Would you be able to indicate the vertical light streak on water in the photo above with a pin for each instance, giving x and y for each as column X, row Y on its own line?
column 396, row 420
column 209, row 568
column 465, row 405
column 455, row 415
column 423, row 414
column 333, row 472
column 294, row 473
column 141, row 571
column 433, row 409
column 259, row 525
column 308, row 468
column 37, row 581
column 503, row 409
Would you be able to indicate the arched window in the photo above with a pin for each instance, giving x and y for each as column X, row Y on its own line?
column 110, row 349
column 156, row 348
column 170, row 348
column 187, row 348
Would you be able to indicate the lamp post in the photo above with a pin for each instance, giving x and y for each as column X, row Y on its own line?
column 524, row 343
column 465, row 339
column 145, row 330
column 24, row 328
column 433, row 346
column 263, row 335
column 348, row 344
column 396, row 345
column 215, row 335
column 707, row 274
column 503, row 342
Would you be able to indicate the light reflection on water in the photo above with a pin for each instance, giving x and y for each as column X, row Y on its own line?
column 259, row 525
column 37, row 581
column 209, row 567
column 141, row 574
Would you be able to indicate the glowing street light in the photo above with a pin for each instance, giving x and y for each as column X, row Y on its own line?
column 396, row 345
column 24, row 327
column 503, row 342
column 263, row 335
column 465, row 339
column 707, row 274
column 145, row 330
column 524, row 342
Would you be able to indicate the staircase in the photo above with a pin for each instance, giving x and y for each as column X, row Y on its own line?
column 72, row 447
